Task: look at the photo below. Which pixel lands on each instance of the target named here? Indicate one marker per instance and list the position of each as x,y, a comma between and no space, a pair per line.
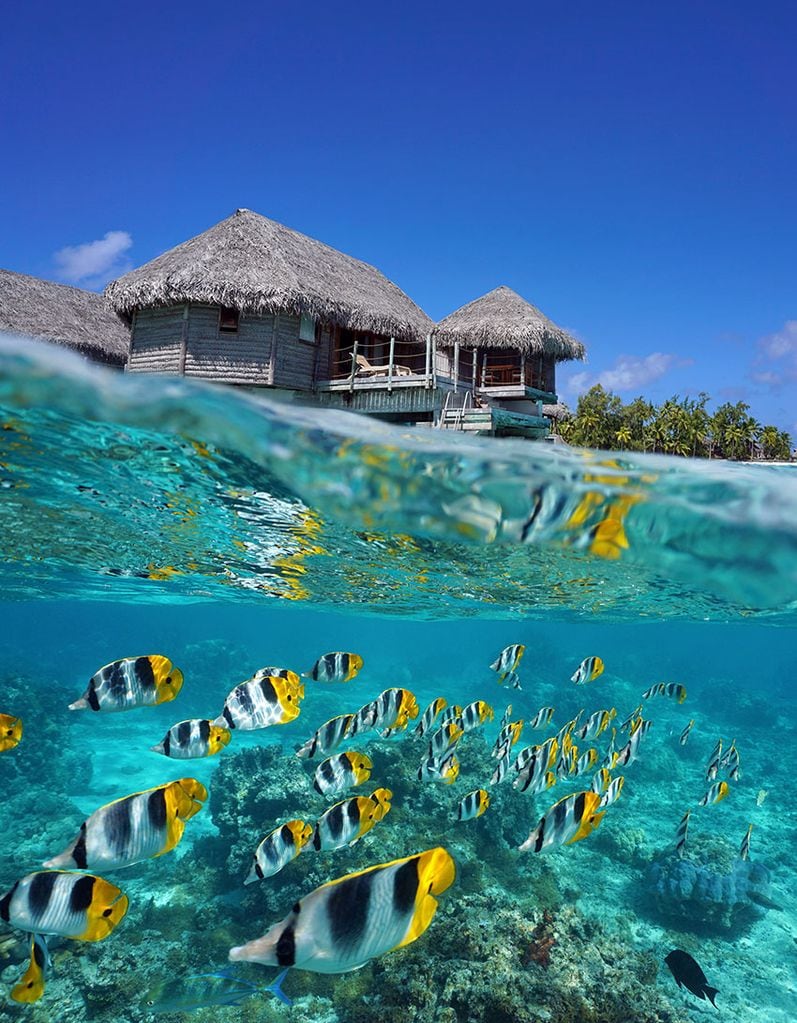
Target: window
307,328
228,320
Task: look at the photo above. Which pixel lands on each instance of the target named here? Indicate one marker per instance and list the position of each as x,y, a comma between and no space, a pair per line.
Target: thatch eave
502,319
60,314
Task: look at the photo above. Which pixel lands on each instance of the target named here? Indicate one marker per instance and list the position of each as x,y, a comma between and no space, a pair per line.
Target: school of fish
354,918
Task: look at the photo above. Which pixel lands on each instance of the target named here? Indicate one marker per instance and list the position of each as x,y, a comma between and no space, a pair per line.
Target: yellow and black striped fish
326,738
10,731
444,739
568,821
744,849
135,827
262,701
346,822
473,805
506,663
718,791
390,712
347,922
589,669
681,835
278,848
435,769
597,723
666,689
340,772
335,667
475,715
60,902
429,715
191,739
543,717
131,682
451,715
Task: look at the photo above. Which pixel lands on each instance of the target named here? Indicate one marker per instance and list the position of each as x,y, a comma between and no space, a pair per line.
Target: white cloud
775,363
781,344
94,263
629,373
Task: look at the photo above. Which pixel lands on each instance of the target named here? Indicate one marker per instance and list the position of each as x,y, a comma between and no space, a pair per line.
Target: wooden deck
496,421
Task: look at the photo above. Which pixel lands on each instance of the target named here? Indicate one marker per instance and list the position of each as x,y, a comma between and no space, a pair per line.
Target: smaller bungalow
498,356
77,319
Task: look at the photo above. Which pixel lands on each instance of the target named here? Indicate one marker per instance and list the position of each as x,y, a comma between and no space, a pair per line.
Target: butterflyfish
501,769
444,739
507,661
666,689
680,835
744,849
684,738
587,760
632,717
445,770
451,715
597,723
429,715
196,737
507,717
589,669
347,922
134,828
335,667
507,737
346,822
70,905
630,751
475,715
601,780
612,793
341,772
131,682
10,731
714,760
568,821
326,738
278,848
473,805
262,701
534,776
391,711
718,791
542,718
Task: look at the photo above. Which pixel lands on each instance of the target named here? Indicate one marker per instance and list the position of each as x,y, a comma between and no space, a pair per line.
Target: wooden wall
240,358
163,341
155,341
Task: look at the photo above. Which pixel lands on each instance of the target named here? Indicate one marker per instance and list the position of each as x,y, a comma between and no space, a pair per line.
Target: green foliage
680,426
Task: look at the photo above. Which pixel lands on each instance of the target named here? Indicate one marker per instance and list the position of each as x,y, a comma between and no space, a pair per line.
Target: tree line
680,426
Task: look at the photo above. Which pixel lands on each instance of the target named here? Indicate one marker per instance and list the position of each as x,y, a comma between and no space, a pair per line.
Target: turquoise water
141,516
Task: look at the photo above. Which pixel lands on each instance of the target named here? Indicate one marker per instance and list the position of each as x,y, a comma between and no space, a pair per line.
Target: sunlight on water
157,518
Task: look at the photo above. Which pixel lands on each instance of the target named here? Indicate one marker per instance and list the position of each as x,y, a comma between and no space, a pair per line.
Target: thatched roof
79,319
502,319
557,411
254,264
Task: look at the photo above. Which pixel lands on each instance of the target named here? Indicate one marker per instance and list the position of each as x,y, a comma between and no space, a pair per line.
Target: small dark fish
688,974
763,900
208,989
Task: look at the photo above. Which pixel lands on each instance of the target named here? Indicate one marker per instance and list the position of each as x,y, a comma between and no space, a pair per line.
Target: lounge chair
365,369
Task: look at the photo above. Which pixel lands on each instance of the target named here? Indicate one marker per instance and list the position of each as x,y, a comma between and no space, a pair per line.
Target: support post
523,370
428,356
456,366
353,365
390,365
434,362
484,368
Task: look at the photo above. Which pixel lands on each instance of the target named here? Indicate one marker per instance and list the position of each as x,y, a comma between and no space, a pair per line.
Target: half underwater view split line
308,717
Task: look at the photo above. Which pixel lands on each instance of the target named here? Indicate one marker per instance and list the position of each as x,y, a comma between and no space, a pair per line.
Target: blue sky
629,168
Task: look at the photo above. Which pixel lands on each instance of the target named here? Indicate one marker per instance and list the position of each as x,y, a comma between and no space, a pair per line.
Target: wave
143,488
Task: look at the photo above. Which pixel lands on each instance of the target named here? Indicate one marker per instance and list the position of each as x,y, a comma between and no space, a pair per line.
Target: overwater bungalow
498,357
253,303
77,319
